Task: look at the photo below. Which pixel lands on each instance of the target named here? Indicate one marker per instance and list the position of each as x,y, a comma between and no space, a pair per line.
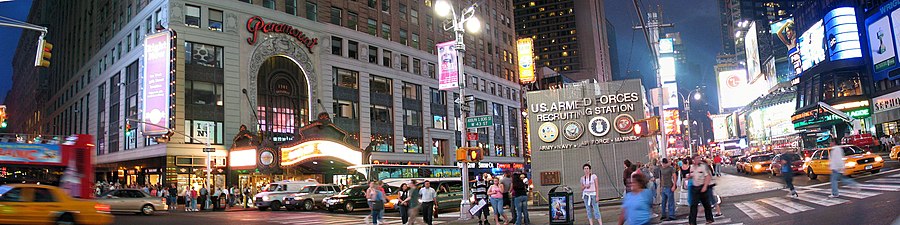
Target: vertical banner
449,71
525,47
155,85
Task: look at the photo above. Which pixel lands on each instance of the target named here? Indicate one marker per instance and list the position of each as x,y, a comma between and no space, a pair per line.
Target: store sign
842,34
821,115
242,158
886,102
29,153
525,47
882,27
318,149
481,165
155,87
449,68
257,24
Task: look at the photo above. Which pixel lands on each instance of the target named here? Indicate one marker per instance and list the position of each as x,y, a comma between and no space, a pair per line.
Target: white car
272,196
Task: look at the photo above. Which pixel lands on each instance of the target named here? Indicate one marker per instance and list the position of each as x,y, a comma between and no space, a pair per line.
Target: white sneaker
833,196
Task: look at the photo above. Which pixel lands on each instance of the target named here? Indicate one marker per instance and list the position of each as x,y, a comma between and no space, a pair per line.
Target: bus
396,174
52,160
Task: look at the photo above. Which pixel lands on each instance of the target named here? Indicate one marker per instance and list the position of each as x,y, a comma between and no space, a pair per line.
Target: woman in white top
589,185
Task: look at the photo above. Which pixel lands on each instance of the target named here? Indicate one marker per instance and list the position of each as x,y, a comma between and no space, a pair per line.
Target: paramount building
320,85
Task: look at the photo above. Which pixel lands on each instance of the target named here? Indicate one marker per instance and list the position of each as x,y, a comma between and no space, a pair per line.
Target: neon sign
256,23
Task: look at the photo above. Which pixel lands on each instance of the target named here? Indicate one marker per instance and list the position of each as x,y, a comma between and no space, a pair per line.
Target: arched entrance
282,99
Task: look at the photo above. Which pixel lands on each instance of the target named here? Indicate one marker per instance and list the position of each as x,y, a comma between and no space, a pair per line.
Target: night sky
9,39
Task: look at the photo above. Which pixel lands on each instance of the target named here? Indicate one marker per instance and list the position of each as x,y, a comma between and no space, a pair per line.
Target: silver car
132,201
310,196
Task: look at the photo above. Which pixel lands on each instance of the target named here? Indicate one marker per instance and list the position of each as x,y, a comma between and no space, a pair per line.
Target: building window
386,31
411,91
386,6
429,45
128,43
192,16
352,20
415,41
137,36
345,109
337,45
290,7
336,15
203,54
373,54
428,21
373,27
215,20
383,142
404,63
346,78
403,37
438,97
269,4
412,118
432,71
414,16
204,131
311,11
417,67
440,122
204,93
381,85
386,58
412,145
372,3
352,49
381,114
402,11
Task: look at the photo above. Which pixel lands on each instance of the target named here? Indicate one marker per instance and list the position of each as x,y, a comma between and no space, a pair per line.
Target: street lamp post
458,24
687,108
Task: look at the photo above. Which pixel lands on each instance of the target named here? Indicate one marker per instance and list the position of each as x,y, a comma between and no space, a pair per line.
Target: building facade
276,67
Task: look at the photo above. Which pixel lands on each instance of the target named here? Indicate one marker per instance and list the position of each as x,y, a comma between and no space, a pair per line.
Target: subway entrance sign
480,121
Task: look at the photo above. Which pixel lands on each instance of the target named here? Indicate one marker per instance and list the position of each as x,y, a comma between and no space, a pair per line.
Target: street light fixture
687,108
459,24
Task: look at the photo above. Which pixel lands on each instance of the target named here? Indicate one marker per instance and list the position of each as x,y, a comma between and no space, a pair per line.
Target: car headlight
394,201
266,198
757,166
850,164
878,159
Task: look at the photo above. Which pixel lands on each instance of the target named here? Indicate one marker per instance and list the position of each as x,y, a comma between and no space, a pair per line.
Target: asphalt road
802,179
264,217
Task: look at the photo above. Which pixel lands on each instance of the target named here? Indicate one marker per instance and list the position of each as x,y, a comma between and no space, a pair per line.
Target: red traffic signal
641,129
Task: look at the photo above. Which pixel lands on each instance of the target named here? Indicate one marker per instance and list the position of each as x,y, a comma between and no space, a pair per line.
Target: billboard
671,98
673,122
667,68
30,153
811,46
449,69
525,47
751,45
730,83
155,86
720,127
666,45
882,28
842,34
785,32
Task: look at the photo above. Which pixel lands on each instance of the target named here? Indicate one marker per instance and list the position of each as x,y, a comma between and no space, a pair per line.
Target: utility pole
651,31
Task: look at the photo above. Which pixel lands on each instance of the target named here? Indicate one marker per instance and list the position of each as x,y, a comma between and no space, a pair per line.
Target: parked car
449,193
132,200
352,198
272,196
757,164
42,204
310,197
855,161
895,151
796,163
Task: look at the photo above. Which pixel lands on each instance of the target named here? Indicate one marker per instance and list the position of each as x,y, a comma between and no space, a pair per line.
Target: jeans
497,204
668,203
839,176
521,204
376,214
703,198
591,206
789,180
194,203
428,212
404,213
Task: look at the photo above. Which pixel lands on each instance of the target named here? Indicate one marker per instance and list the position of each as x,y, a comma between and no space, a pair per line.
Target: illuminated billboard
751,45
155,86
525,47
720,127
785,32
842,34
671,95
733,89
811,46
673,122
667,68
883,42
666,45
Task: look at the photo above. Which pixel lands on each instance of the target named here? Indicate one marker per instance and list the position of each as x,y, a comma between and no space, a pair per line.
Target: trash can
562,210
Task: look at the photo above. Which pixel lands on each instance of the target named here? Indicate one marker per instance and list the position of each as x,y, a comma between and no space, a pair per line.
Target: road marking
852,194
895,175
821,200
885,180
755,211
700,219
863,176
786,205
880,187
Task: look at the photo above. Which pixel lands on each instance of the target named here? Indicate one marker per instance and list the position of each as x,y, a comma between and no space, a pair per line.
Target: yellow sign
525,47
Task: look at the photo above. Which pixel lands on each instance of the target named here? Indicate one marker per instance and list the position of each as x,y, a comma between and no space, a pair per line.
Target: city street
265,217
801,179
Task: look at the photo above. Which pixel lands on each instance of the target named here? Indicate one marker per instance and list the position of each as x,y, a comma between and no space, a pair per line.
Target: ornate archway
281,45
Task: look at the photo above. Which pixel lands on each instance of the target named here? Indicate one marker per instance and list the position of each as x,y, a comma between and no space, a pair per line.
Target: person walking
413,202
479,193
216,198
684,171
520,200
589,187
711,191
247,197
172,197
701,177
507,199
636,205
717,165
836,164
495,193
787,174
186,195
226,196
376,202
668,180
428,196
204,195
626,174
403,204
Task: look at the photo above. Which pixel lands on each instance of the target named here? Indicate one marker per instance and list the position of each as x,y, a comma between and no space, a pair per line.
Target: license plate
869,167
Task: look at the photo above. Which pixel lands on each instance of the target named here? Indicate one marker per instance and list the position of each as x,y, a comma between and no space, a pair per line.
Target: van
449,193
274,193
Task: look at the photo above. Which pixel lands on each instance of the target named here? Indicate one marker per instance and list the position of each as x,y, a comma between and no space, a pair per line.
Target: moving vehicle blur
43,204
133,200
855,161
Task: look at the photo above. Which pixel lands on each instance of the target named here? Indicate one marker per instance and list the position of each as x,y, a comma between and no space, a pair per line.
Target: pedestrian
428,196
403,204
479,193
636,205
246,196
589,186
717,165
836,163
711,191
376,202
626,174
173,197
507,199
684,171
787,174
204,196
520,200
701,177
153,191
668,180
215,198
235,195
185,194
226,196
495,192
413,200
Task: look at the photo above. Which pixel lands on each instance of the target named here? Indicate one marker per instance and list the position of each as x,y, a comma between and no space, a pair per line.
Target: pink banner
157,66
449,71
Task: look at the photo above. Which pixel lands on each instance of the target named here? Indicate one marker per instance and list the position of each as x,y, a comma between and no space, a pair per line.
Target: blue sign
881,32
29,153
841,34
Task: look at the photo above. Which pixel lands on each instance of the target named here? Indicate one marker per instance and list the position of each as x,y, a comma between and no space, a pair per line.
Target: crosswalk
313,218
811,198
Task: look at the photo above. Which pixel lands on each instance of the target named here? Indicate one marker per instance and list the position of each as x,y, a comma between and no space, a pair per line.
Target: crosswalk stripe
880,187
895,175
852,194
755,211
786,205
821,200
885,180
700,219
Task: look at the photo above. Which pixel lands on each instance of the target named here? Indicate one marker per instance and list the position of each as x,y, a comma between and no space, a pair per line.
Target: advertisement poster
525,47
785,32
720,127
751,46
30,153
667,68
558,209
842,34
155,86
730,82
673,122
811,46
881,28
671,90
449,69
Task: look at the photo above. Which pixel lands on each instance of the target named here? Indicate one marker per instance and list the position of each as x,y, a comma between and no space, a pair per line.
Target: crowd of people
192,198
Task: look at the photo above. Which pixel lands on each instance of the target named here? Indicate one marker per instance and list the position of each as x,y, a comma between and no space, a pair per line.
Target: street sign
465,108
470,98
457,101
472,136
479,121
209,149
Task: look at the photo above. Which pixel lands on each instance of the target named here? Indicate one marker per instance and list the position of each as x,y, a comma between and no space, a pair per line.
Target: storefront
886,117
820,119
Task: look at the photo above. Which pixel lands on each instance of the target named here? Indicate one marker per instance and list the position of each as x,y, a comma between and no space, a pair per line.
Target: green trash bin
562,210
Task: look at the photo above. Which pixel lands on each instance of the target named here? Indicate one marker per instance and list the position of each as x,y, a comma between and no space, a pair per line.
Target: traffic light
42,58
462,155
646,127
476,154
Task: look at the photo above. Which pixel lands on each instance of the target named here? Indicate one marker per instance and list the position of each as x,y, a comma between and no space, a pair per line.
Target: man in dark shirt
626,175
667,180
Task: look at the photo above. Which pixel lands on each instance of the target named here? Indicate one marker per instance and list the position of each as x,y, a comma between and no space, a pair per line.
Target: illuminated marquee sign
525,47
257,24
313,149
242,158
820,115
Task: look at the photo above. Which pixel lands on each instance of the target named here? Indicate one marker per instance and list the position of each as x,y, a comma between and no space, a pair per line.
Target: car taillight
164,201
101,207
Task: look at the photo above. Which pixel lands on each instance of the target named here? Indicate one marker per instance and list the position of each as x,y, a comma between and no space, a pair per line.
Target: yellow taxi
895,152
856,161
42,204
757,164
